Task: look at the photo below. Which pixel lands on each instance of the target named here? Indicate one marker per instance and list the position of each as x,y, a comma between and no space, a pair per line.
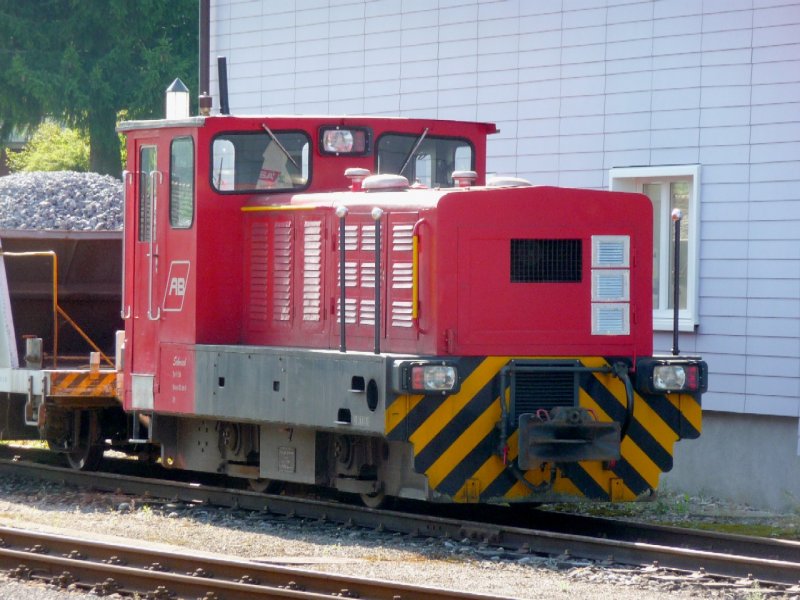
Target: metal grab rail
415,241
57,310
155,179
125,312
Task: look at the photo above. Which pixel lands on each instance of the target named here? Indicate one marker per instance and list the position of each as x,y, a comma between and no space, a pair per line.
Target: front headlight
433,378
420,377
660,376
673,377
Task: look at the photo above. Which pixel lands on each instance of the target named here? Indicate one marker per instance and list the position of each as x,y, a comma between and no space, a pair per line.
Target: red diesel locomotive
296,311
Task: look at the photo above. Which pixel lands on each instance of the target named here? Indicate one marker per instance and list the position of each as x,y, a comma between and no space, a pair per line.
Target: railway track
105,568
761,560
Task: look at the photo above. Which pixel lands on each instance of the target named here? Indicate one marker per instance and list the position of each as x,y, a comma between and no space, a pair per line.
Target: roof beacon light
464,178
177,100
356,175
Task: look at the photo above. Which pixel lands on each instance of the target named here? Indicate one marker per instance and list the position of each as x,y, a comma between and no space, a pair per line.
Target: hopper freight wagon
348,302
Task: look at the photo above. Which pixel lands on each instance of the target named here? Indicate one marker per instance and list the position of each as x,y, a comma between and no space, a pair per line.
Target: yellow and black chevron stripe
456,438
83,384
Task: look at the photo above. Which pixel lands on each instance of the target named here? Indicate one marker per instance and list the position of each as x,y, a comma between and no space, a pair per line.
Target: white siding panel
725,326
776,53
778,171
724,401
771,366
732,136
774,269
776,36
787,112
583,18
786,288
728,20
721,344
627,13
778,15
723,288
725,95
584,35
759,402
663,10
629,65
722,267
773,327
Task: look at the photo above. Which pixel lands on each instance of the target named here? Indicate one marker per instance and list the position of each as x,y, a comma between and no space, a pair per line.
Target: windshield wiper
284,150
413,150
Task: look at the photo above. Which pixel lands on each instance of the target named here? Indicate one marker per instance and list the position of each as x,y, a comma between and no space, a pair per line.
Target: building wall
749,459
578,87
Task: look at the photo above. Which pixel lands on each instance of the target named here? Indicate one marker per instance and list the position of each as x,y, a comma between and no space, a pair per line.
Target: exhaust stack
222,70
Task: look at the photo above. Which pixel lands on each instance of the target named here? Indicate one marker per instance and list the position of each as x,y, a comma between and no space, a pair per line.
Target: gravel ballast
60,200
452,564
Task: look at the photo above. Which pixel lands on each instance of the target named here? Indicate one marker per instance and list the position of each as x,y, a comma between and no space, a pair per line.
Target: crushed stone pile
60,200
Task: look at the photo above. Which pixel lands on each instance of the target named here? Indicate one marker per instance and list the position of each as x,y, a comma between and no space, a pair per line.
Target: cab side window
181,183
147,169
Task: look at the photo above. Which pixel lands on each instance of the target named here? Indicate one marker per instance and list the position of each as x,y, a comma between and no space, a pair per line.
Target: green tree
82,61
52,148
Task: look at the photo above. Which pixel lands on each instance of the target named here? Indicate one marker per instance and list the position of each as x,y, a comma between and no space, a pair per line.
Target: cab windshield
260,162
424,159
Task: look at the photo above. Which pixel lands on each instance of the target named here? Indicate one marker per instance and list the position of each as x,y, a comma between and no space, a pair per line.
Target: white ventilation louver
611,251
612,285
611,319
611,282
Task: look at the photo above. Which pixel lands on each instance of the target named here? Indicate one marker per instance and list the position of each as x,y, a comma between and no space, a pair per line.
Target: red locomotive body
296,310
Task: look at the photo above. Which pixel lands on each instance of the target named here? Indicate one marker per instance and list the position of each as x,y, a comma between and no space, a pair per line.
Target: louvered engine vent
542,389
546,261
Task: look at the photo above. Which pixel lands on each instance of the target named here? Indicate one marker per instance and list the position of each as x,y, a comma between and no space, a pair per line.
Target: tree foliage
52,148
82,61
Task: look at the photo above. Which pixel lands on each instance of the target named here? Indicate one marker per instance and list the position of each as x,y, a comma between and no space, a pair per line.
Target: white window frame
632,179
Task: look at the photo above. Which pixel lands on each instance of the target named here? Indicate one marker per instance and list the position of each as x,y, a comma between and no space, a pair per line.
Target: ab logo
177,281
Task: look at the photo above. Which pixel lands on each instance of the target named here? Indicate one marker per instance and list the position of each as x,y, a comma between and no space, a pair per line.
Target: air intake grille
546,261
535,390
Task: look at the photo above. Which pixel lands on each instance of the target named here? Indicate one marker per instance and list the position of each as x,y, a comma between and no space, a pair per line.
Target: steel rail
751,562
145,569
665,535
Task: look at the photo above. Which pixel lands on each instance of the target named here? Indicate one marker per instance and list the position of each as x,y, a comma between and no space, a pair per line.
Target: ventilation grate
546,261
533,391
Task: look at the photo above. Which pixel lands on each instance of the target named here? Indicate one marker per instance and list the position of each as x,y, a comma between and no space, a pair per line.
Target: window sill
665,324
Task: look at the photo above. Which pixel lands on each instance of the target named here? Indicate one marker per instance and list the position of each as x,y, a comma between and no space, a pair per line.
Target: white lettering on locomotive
177,285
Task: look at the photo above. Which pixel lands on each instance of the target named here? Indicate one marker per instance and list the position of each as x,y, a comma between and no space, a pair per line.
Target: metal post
341,212
204,44
676,275
377,213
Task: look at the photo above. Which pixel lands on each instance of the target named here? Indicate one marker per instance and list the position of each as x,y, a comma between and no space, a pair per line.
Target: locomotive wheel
376,500
265,486
85,457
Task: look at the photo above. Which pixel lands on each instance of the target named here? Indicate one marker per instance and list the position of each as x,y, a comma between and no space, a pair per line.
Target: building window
669,188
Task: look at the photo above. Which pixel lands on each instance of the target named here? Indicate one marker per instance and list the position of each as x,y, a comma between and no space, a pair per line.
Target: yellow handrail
56,308
415,271
55,291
